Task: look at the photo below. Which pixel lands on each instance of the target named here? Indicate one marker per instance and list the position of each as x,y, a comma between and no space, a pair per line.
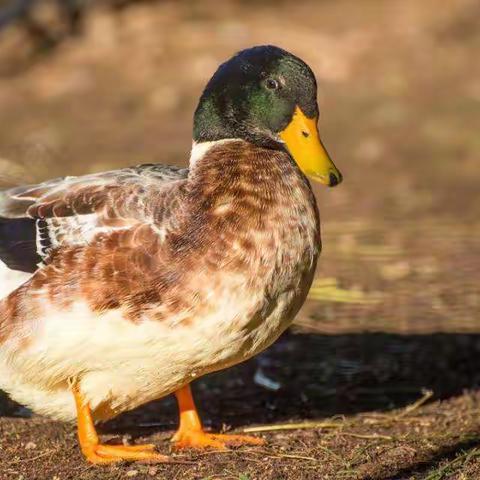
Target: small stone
152,471
132,473
30,446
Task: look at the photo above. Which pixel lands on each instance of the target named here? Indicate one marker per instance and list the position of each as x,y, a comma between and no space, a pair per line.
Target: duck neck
237,169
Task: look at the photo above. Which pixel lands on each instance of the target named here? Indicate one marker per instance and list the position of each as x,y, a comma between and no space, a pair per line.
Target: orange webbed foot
104,454
191,435
200,440
98,453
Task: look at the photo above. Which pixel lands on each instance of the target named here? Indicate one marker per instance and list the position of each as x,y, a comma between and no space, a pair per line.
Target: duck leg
190,433
97,453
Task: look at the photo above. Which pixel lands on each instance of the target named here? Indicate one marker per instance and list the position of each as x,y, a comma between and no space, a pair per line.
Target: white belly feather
122,364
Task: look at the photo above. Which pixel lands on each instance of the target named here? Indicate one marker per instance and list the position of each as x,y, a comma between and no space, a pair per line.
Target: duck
123,287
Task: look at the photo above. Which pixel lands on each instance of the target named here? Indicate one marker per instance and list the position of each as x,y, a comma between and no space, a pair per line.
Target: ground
380,368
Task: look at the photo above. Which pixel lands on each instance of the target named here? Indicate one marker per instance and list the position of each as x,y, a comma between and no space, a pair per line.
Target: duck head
267,96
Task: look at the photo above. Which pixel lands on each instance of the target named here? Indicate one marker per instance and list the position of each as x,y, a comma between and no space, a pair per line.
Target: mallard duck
130,284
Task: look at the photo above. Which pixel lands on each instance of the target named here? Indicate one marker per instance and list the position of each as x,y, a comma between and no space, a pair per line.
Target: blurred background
87,86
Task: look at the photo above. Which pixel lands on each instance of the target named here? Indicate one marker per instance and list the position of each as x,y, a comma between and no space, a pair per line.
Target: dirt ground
380,368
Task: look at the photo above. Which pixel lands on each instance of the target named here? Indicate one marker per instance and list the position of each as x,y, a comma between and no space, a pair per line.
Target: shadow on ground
328,375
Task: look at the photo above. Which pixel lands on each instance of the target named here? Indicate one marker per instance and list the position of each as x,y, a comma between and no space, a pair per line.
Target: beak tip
334,180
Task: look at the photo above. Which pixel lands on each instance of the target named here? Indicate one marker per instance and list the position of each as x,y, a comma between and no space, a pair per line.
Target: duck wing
35,220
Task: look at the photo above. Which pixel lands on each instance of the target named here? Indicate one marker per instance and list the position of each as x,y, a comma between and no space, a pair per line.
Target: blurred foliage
328,290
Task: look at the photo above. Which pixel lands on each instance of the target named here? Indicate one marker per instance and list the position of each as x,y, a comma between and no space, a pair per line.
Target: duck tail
18,246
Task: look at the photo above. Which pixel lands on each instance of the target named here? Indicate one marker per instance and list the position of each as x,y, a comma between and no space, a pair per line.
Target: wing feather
73,210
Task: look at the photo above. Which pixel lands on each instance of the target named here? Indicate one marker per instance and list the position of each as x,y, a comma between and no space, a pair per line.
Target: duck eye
272,84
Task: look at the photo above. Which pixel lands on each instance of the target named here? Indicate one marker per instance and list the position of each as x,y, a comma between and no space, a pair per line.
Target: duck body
138,281
168,278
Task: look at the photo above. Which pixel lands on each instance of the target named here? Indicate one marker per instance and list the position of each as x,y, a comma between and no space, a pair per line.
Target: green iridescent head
266,96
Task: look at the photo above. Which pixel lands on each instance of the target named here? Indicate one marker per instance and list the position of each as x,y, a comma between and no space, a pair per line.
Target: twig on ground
427,394
396,416
373,436
296,457
32,459
292,426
